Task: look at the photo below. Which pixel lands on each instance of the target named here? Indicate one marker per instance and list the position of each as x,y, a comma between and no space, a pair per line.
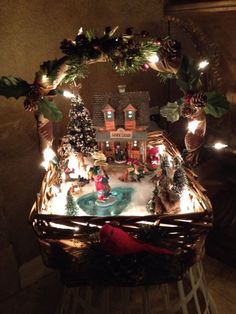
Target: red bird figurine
117,242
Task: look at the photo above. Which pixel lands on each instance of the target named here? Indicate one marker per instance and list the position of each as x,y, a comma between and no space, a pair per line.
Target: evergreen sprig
128,53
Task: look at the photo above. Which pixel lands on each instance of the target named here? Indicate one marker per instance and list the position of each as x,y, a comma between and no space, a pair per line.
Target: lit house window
109,115
130,115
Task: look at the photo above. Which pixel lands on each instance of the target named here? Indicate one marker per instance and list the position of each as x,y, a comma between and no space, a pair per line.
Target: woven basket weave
72,245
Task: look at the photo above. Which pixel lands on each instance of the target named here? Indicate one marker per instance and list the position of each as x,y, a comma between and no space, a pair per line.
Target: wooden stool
186,296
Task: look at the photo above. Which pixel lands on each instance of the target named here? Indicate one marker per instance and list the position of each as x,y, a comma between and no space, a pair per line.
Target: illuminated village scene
111,166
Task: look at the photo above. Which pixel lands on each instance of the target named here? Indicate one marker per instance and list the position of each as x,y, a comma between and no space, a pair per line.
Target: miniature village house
121,120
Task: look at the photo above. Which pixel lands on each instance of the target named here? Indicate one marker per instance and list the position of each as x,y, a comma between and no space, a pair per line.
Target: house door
120,155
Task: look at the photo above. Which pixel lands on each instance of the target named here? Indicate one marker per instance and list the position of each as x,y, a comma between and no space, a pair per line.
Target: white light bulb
193,125
48,155
44,78
153,58
219,146
203,64
68,94
161,149
80,31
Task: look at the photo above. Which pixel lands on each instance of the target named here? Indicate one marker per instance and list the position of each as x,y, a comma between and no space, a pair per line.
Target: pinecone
68,47
198,100
32,98
171,48
81,40
30,105
188,111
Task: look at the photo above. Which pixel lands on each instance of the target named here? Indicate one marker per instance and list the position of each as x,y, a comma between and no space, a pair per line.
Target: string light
203,64
219,146
80,31
153,58
193,125
48,155
68,94
44,78
161,149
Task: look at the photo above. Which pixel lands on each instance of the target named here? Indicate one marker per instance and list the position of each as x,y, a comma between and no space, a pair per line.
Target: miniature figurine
102,184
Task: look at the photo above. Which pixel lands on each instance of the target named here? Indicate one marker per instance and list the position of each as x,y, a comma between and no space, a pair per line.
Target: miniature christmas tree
180,180
71,209
80,131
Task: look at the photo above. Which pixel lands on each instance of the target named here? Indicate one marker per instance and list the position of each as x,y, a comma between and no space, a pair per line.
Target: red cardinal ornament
117,242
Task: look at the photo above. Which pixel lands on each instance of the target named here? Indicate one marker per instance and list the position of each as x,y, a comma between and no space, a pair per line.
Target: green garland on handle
128,53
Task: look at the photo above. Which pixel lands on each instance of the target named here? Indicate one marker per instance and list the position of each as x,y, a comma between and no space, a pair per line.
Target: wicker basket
72,244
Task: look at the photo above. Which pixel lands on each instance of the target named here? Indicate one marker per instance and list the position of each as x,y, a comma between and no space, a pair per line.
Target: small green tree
71,209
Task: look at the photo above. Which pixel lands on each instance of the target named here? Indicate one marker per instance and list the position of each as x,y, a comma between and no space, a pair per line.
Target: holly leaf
217,104
11,86
49,109
188,75
171,111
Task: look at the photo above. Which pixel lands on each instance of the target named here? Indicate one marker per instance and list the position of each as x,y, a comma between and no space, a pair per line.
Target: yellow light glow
185,202
193,125
48,155
68,94
78,170
203,64
44,78
80,31
219,146
153,58
61,226
161,149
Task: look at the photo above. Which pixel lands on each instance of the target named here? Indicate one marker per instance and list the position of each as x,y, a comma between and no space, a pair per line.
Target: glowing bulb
153,58
203,64
161,149
80,31
68,94
185,202
44,78
48,155
193,125
219,146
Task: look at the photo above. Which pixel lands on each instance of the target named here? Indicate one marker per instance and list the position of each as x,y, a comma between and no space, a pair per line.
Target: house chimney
121,88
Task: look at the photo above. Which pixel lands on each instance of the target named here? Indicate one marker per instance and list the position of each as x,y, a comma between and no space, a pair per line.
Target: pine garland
128,52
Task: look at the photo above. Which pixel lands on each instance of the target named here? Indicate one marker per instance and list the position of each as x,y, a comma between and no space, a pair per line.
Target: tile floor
42,297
